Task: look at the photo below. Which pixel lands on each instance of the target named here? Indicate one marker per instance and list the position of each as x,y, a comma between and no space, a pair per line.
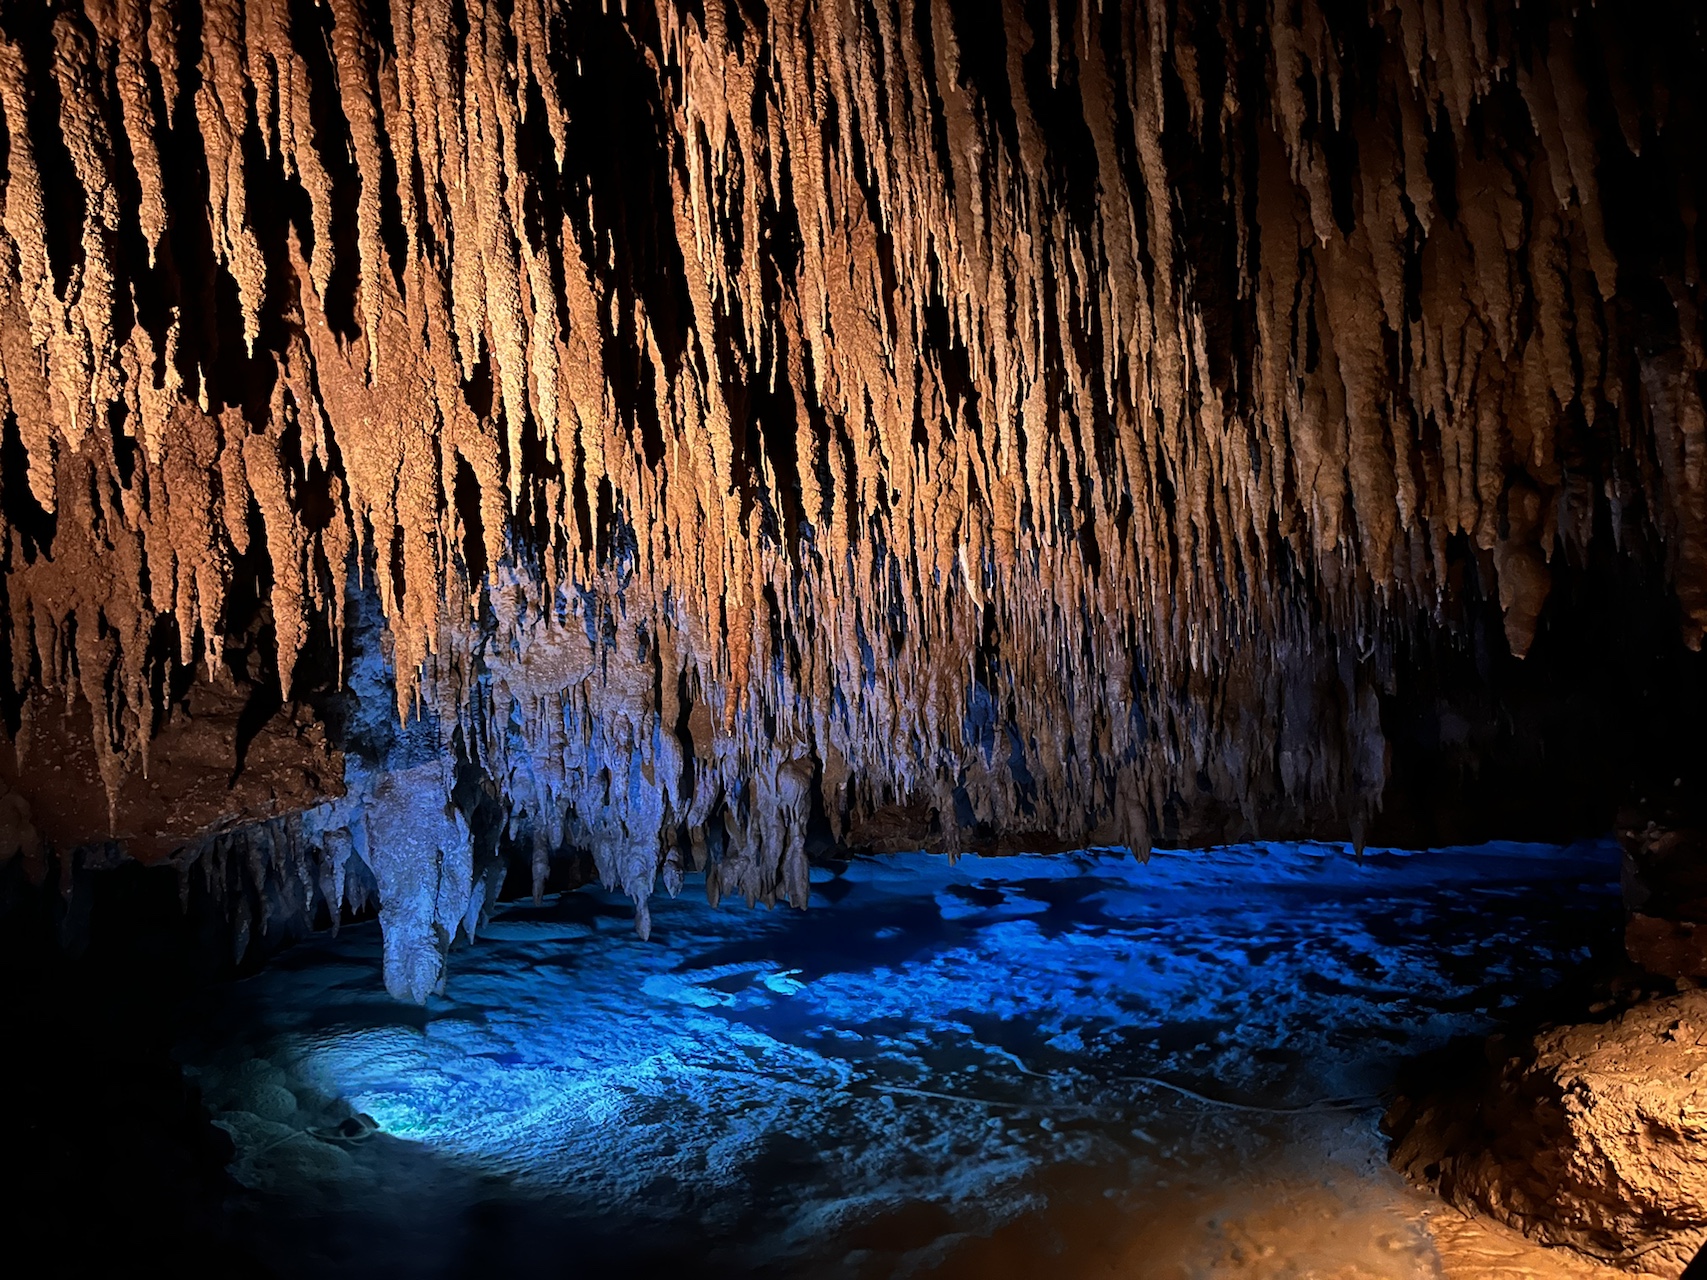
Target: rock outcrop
1591,1136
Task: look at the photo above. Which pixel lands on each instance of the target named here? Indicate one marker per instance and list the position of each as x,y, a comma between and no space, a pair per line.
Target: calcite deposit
1015,415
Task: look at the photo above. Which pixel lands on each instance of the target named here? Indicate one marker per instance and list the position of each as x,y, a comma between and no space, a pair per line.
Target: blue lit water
1064,1065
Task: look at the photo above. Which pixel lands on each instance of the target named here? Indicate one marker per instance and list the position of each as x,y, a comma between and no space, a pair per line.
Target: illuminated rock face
970,418
1587,1136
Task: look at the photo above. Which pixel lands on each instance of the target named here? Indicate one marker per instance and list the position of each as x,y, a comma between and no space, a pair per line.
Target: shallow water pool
1066,1065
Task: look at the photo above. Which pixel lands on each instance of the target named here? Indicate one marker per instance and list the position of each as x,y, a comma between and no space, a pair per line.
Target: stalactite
885,407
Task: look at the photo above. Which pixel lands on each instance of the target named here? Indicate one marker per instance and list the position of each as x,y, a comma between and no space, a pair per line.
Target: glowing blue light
929,1032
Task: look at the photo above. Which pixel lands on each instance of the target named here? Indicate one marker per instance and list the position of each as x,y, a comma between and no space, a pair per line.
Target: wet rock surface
1030,1063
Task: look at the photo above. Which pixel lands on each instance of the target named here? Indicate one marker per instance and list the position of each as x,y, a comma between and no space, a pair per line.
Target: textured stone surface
195,787
1591,1136
1475,1249
1037,421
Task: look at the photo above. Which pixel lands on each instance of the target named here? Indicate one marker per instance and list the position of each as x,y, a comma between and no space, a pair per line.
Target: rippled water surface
1072,1065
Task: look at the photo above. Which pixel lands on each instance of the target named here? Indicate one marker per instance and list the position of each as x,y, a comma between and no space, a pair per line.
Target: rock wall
1012,419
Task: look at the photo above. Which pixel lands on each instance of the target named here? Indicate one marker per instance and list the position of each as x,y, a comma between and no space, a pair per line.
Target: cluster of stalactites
1017,414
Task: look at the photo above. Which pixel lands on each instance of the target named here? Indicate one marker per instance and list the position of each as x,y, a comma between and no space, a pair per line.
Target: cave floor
1077,1065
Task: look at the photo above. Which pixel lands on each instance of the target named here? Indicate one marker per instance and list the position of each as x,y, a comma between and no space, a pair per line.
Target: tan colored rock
1592,1137
950,440
193,790
1476,1249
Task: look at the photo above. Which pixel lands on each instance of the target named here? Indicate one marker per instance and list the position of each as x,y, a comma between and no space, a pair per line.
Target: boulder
1592,1137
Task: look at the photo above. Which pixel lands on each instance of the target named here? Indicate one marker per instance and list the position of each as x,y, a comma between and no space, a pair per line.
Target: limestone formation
1017,413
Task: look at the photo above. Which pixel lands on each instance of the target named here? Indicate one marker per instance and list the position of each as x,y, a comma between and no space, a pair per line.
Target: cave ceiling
1019,413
